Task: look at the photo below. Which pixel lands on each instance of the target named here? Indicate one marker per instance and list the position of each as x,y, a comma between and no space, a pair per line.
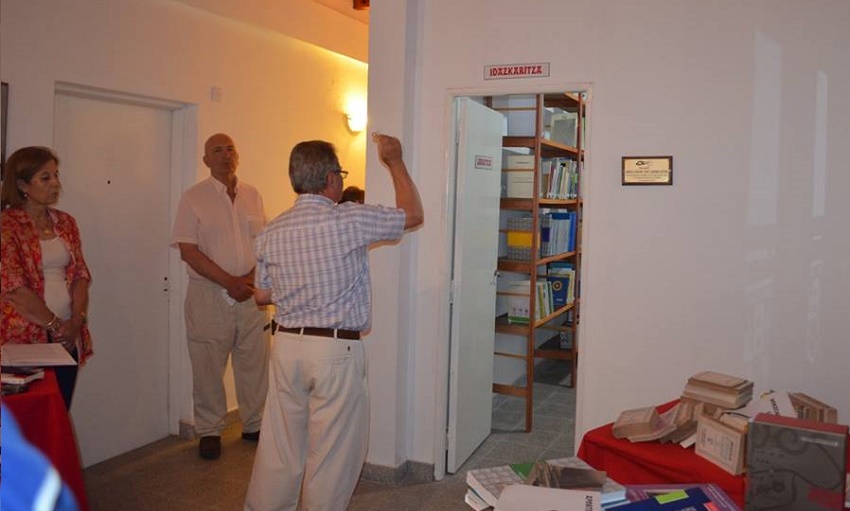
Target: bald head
221,156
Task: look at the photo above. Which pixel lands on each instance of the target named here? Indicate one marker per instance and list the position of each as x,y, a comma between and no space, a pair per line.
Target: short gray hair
309,165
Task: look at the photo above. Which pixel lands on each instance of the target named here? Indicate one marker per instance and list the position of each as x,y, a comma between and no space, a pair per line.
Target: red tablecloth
45,423
654,463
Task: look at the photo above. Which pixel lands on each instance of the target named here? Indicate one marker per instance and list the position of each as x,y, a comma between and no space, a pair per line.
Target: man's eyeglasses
342,173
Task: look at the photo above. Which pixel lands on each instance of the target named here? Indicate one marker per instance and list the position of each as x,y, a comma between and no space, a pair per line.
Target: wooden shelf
516,204
558,203
505,264
510,355
551,349
550,317
503,327
511,390
524,336
566,101
548,148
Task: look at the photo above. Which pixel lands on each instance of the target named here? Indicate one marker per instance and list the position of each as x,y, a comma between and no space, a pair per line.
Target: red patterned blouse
22,267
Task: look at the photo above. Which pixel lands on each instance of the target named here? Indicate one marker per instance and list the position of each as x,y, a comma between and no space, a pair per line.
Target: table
655,463
45,423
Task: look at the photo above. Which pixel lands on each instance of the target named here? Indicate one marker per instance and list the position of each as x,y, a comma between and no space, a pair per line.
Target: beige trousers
315,427
215,330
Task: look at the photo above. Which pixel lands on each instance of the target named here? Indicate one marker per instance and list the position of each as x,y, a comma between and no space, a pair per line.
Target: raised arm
406,194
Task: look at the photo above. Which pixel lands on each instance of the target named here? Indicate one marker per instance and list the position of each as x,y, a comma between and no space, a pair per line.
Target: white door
115,161
476,237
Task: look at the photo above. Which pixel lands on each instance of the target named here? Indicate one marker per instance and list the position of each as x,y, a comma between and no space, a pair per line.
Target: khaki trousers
315,427
215,330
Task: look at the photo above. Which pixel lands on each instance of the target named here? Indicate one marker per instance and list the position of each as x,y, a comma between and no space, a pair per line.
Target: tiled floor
168,474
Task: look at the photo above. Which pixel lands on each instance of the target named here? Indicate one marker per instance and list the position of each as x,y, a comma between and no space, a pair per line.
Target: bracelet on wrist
51,325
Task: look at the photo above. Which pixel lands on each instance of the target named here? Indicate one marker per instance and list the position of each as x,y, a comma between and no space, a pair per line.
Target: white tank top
54,259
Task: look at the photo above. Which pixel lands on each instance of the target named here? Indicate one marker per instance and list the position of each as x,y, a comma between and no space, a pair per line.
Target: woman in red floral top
44,279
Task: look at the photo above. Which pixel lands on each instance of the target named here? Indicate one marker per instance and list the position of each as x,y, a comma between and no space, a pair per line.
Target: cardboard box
518,301
520,184
519,162
520,110
563,128
795,464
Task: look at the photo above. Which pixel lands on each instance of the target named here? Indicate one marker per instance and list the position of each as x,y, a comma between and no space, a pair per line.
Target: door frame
180,174
443,364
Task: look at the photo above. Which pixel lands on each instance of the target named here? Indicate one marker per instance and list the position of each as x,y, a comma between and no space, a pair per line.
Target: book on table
795,464
548,475
521,497
686,499
637,421
719,498
721,443
810,408
21,375
489,482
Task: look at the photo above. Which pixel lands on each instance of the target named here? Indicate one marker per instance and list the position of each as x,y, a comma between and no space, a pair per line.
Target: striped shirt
314,258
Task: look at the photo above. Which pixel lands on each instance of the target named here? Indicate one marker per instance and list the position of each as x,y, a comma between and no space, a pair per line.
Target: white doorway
558,418
116,171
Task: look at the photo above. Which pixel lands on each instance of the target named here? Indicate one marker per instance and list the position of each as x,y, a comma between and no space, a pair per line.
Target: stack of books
486,484
719,389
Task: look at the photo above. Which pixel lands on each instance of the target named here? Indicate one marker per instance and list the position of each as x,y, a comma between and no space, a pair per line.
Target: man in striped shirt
313,265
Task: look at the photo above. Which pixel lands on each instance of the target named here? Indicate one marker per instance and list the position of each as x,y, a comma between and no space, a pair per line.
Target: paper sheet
35,355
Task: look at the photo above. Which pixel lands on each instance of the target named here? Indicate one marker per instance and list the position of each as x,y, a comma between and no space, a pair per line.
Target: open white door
476,238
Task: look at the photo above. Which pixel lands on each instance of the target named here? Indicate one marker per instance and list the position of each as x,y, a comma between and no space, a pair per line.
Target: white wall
276,90
740,266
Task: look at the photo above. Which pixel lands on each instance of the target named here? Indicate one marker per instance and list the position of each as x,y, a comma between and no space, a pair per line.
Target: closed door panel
115,173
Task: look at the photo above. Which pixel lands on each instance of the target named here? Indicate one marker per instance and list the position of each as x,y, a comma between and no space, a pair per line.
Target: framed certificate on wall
647,170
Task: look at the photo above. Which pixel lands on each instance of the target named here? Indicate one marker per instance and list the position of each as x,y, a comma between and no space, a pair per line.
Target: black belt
335,333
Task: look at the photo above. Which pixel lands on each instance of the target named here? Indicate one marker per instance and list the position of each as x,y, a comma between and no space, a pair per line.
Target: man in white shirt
217,221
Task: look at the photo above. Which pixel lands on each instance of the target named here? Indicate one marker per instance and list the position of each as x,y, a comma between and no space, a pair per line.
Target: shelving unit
542,336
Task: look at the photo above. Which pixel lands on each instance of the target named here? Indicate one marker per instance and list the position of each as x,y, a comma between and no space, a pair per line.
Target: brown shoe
209,447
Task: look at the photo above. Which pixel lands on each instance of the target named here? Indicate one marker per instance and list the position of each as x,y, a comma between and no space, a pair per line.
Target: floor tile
168,475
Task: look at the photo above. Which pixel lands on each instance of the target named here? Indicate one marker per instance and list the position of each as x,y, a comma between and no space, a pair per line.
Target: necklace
43,222
46,229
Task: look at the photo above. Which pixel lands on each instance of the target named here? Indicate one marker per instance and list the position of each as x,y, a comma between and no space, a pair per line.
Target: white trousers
215,330
315,426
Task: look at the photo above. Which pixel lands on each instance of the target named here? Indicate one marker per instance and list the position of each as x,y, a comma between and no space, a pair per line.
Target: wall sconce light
356,121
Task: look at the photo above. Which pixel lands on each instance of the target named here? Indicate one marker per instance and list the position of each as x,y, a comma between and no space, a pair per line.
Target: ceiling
345,7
